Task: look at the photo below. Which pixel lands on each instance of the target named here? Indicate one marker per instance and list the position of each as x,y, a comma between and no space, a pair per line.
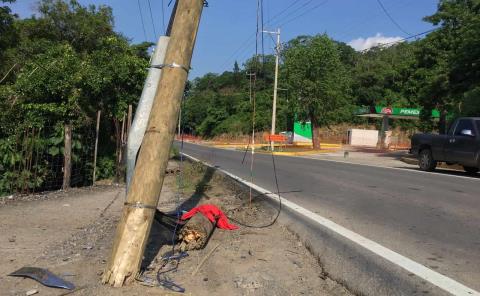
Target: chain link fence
32,160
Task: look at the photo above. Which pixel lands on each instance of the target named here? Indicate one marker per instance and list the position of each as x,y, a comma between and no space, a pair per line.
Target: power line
163,17
263,40
303,14
256,35
151,18
247,43
282,12
141,18
300,8
368,19
391,18
400,40
305,4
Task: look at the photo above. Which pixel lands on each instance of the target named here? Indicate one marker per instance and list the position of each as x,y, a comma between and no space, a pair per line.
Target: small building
361,137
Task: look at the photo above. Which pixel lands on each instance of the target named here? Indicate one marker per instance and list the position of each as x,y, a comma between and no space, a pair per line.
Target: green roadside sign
303,129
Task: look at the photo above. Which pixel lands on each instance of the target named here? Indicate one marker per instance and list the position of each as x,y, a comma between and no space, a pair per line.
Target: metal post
144,107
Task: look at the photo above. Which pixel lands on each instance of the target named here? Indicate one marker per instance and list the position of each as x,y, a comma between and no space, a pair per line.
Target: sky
227,29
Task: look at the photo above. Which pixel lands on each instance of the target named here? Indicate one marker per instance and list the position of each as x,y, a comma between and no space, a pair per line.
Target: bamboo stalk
97,130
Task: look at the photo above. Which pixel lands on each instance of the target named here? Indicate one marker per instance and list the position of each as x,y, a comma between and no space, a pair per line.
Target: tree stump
195,233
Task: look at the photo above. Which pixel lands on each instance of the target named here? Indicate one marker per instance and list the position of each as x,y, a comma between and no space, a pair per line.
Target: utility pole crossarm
272,32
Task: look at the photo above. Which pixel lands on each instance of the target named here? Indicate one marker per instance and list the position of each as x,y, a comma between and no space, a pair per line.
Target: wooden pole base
127,259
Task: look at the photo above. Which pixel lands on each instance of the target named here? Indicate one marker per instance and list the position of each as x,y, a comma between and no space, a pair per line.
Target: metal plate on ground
44,277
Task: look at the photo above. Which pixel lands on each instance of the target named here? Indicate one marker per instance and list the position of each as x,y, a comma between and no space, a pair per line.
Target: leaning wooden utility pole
144,191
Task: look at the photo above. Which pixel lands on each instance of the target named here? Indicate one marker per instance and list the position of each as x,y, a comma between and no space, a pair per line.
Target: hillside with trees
328,80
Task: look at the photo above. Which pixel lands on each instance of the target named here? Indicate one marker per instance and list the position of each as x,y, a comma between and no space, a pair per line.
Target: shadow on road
445,172
397,155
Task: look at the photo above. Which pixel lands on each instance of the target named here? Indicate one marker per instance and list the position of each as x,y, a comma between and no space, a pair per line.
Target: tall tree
83,27
381,76
319,81
448,58
236,68
8,34
459,22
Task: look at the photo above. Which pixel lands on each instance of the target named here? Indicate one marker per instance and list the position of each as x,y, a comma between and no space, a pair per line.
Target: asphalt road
431,218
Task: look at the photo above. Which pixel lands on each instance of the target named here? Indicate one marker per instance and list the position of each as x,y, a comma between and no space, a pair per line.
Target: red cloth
212,213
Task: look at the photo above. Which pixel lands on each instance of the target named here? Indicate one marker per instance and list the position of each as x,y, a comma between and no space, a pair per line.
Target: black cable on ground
279,203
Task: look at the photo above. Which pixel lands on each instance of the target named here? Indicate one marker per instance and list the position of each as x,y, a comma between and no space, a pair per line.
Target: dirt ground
71,233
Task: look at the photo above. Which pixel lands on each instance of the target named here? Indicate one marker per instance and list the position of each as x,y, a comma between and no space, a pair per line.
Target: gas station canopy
396,113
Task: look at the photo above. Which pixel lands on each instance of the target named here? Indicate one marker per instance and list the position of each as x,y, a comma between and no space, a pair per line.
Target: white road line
450,285
391,168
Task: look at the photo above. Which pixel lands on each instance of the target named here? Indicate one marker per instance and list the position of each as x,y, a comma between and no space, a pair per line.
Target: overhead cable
391,18
151,18
141,18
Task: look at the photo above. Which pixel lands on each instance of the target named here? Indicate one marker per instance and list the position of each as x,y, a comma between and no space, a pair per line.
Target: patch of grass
189,177
174,153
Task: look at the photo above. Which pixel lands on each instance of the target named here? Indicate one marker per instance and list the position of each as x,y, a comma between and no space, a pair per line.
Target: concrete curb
358,269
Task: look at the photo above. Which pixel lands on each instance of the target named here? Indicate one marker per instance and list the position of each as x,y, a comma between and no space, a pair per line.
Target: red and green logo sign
404,112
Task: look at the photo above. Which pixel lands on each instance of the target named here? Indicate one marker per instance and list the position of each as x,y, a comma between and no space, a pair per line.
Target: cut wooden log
195,233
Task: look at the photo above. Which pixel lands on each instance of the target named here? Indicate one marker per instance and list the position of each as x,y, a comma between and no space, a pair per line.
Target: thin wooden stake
97,130
129,121
67,156
205,259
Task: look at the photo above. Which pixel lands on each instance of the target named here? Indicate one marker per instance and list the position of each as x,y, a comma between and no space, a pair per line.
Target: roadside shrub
105,167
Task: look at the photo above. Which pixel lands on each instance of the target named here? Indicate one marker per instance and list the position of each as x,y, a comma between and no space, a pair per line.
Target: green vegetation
327,80
58,68
318,79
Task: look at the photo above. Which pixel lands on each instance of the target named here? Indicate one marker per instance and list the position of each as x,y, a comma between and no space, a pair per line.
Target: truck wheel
426,161
471,170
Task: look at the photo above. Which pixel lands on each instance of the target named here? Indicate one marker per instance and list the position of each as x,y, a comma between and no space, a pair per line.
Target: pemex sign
377,111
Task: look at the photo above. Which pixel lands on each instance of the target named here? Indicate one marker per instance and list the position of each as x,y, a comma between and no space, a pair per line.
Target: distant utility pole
250,75
275,87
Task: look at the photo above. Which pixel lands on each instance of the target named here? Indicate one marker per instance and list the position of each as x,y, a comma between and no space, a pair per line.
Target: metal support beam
139,124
